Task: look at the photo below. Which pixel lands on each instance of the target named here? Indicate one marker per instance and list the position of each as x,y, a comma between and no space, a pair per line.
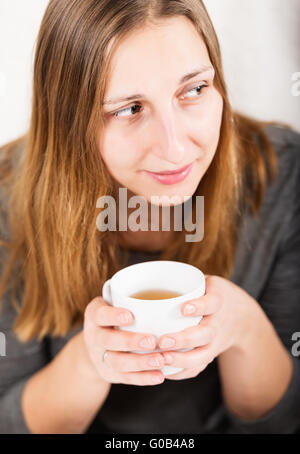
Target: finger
141,378
196,358
107,315
132,362
205,305
103,314
118,340
194,336
185,373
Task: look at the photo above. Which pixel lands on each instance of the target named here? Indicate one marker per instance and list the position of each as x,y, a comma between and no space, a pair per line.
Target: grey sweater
267,266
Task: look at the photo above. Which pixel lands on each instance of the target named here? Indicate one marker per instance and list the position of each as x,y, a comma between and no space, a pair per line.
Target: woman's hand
120,366
228,313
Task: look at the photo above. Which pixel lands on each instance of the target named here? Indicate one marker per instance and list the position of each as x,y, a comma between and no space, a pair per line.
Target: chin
165,195
175,194
170,198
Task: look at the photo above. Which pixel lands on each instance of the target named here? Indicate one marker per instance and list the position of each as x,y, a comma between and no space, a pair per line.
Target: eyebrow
183,79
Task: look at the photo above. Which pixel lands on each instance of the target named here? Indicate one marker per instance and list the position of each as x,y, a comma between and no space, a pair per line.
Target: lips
172,172
171,177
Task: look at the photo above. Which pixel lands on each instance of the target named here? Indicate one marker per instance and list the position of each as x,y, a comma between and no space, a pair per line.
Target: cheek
207,131
119,154
209,126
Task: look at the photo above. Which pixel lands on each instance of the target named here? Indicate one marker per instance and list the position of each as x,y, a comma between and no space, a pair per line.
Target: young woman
123,91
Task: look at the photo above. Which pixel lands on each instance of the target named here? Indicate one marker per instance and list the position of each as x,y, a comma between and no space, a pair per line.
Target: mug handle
106,292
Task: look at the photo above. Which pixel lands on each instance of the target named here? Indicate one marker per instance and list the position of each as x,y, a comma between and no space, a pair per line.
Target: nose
168,146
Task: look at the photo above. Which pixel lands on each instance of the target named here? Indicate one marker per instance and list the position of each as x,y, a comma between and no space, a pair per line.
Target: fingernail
154,362
189,309
124,317
167,342
146,342
168,358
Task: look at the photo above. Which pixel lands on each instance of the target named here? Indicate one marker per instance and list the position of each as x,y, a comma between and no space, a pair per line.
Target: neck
147,239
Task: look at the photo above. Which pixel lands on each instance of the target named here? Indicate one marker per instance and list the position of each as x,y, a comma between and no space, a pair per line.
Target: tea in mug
155,294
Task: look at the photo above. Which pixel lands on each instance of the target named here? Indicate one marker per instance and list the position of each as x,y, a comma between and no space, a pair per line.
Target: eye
120,113
135,108
198,89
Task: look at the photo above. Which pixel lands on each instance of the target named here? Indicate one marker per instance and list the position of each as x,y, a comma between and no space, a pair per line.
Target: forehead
169,49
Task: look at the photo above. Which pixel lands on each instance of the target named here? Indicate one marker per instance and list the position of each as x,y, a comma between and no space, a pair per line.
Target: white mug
156,317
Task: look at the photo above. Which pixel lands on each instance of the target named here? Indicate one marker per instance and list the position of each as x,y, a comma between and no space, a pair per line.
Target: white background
260,43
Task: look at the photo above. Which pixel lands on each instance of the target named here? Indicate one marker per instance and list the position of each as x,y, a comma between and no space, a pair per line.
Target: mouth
171,176
171,172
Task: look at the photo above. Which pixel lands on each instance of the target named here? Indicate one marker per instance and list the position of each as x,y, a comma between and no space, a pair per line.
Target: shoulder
282,136
281,202
284,140
286,144
265,237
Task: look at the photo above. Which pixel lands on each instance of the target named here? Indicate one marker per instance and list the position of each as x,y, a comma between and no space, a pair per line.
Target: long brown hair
54,175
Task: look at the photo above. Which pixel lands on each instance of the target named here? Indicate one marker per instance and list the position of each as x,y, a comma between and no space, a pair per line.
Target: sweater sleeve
280,300
19,361
284,418
11,415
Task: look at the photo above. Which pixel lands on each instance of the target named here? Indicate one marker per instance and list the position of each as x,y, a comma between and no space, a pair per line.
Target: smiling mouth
170,177
171,172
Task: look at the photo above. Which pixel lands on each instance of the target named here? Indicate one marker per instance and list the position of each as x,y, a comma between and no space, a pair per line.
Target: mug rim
172,299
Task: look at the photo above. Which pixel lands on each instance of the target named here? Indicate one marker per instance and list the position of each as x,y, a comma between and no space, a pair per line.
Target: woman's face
173,117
